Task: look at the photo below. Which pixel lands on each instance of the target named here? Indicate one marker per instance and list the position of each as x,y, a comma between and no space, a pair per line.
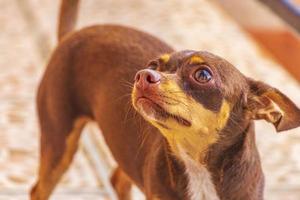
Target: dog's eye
153,65
203,75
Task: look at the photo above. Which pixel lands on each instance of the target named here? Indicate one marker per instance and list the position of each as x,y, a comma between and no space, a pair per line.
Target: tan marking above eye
196,60
165,58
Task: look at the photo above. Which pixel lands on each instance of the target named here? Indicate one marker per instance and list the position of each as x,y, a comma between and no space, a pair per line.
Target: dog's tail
67,17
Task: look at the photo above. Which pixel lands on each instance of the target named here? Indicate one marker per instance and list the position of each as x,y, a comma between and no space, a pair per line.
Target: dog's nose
146,78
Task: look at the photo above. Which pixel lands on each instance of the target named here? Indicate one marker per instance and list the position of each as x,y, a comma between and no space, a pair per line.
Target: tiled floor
28,35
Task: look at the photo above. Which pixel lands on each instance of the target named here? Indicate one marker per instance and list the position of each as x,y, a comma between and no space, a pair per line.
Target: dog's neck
235,167
192,145
225,170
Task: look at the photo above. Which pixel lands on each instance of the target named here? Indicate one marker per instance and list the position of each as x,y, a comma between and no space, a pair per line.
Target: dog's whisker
123,97
129,110
144,136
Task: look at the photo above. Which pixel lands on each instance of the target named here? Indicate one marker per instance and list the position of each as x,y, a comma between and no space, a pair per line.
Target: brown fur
122,184
67,17
89,77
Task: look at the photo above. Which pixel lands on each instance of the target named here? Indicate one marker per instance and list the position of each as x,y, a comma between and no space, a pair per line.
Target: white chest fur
200,185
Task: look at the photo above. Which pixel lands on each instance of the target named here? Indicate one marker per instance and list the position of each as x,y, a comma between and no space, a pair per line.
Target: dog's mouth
153,109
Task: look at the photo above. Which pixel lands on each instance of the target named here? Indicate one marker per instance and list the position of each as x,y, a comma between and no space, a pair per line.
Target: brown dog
197,140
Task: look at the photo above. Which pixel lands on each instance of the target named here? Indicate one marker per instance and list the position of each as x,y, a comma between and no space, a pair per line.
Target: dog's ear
268,103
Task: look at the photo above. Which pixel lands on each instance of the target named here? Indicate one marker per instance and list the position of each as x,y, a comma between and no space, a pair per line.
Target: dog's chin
153,111
150,109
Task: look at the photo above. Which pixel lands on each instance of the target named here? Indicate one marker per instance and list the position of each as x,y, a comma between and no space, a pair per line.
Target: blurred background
260,37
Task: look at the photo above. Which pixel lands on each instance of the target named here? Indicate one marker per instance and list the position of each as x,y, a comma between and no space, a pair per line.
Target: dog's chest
200,185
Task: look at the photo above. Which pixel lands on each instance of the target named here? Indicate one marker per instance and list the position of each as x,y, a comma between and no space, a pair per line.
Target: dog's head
190,96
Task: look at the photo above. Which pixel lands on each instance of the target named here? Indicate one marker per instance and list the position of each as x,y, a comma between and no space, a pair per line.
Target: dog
189,133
